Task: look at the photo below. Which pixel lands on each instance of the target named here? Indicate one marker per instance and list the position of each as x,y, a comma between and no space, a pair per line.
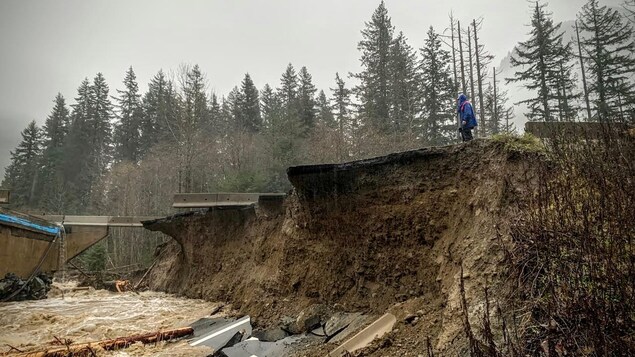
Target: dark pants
466,134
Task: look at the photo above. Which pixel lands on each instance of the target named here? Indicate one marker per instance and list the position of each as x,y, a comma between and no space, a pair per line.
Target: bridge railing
99,221
223,199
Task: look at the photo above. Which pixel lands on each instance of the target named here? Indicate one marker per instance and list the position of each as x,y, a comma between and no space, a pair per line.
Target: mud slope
382,234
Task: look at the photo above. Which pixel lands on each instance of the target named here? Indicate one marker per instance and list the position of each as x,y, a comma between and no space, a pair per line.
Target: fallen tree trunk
88,349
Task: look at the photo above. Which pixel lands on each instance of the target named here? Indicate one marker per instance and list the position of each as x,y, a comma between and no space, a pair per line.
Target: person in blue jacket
468,118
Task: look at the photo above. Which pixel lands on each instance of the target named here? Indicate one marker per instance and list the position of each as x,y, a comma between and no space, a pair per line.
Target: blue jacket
467,112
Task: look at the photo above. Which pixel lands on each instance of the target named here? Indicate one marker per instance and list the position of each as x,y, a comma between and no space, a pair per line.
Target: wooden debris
122,285
146,274
88,349
79,270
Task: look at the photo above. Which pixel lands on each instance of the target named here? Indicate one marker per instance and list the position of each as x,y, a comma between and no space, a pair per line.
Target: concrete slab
206,325
377,329
340,321
254,348
354,326
221,334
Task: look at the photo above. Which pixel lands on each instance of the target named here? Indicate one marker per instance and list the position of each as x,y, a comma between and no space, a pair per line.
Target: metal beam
5,196
99,221
222,199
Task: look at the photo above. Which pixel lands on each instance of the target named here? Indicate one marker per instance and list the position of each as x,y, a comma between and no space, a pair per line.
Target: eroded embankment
382,234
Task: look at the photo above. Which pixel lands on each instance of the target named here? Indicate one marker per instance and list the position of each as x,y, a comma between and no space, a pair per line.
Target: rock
339,321
271,335
409,319
287,323
308,319
18,289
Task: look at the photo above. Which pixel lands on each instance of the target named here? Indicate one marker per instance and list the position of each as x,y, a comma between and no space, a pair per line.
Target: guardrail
205,200
99,221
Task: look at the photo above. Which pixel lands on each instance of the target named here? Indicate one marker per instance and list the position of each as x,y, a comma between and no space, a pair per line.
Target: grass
514,142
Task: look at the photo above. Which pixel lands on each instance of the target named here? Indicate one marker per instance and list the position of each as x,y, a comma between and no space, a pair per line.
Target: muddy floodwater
85,316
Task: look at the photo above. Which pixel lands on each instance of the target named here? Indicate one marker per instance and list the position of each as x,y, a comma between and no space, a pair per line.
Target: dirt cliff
384,234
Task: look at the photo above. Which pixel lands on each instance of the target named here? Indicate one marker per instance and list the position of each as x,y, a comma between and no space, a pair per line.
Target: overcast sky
50,46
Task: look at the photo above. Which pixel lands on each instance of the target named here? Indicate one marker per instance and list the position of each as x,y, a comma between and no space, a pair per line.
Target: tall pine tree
373,90
78,150
100,117
609,45
538,62
249,106
160,108
288,91
437,116
341,109
21,176
127,132
324,112
55,132
405,89
271,106
306,100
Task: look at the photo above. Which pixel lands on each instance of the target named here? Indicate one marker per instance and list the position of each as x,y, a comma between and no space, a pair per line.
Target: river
92,315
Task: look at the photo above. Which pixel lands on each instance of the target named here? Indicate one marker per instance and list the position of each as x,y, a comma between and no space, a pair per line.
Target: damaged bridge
30,243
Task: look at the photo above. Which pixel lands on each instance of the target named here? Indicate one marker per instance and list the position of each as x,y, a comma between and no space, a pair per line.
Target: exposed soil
385,234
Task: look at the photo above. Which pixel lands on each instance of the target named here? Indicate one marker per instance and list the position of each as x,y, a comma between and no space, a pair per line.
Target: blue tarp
28,224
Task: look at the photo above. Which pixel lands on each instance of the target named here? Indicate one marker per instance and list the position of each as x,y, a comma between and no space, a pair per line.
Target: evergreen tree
160,112
567,94
271,106
55,132
306,99
234,109
226,120
249,106
78,149
22,174
194,118
100,117
195,111
373,91
215,112
88,149
288,91
544,66
324,112
497,115
341,108
57,124
284,129
341,102
404,86
128,131
437,116
609,48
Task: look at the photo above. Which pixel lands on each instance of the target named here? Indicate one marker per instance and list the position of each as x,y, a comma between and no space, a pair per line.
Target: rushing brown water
85,316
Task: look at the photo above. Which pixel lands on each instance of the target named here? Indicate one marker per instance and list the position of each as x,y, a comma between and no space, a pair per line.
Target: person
467,116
